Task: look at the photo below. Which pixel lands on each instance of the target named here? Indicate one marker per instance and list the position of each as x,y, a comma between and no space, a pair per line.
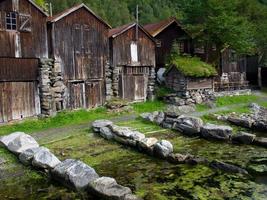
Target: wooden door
76,95
82,51
133,83
17,100
94,94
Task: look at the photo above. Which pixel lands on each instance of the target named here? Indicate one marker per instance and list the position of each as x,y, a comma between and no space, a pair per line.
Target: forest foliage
239,24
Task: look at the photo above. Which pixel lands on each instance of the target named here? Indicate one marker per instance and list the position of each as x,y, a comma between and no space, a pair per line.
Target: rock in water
163,148
5,140
106,133
227,167
26,156
100,123
188,125
108,188
45,159
211,131
243,138
21,143
75,173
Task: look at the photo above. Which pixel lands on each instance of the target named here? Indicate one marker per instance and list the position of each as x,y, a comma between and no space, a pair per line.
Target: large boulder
217,132
5,140
74,173
259,141
188,125
227,167
106,133
108,188
120,131
26,156
163,148
100,123
150,116
260,124
181,109
159,118
147,145
21,143
243,138
45,159
137,136
243,121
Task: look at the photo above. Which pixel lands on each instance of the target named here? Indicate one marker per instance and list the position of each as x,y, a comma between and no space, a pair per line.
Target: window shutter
25,23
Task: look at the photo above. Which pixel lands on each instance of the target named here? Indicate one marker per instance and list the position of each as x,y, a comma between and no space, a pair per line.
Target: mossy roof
192,67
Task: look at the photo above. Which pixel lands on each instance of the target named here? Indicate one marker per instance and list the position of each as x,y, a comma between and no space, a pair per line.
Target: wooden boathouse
165,33
23,41
78,41
132,60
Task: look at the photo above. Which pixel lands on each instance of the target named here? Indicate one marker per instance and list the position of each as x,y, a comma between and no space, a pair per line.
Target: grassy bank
66,118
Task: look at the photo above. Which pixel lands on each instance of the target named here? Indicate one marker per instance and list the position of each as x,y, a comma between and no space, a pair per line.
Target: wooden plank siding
22,43
80,43
18,100
18,69
78,40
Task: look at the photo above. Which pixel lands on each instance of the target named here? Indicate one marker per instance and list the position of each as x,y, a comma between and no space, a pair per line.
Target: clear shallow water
148,177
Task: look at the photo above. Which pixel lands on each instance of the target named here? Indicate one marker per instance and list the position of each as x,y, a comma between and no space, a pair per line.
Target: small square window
158,43
11,21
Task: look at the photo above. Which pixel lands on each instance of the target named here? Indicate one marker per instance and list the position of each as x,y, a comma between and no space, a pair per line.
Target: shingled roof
66,12
121,29
156,28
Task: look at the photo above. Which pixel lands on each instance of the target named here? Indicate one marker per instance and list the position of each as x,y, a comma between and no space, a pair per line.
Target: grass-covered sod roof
193,66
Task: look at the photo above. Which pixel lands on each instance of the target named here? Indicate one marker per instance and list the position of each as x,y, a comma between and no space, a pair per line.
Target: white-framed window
11,21
134,52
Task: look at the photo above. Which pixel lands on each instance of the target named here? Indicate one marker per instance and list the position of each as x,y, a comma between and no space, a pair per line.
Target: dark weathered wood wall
121,52
20,43
179,83
134,76
19,56
167,38
79,41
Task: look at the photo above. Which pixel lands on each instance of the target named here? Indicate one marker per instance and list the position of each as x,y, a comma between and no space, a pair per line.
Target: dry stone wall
51,87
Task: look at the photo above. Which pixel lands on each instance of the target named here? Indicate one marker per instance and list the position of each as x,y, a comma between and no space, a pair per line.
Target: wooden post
259,77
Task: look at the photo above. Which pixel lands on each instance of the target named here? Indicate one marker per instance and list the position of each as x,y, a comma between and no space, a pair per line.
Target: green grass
193,66
231,100
263,104
148,106
163,91
61,119
76,117
201,107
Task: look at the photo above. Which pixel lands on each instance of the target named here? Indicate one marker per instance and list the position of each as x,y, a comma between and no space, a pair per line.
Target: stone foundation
190,97
51,87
